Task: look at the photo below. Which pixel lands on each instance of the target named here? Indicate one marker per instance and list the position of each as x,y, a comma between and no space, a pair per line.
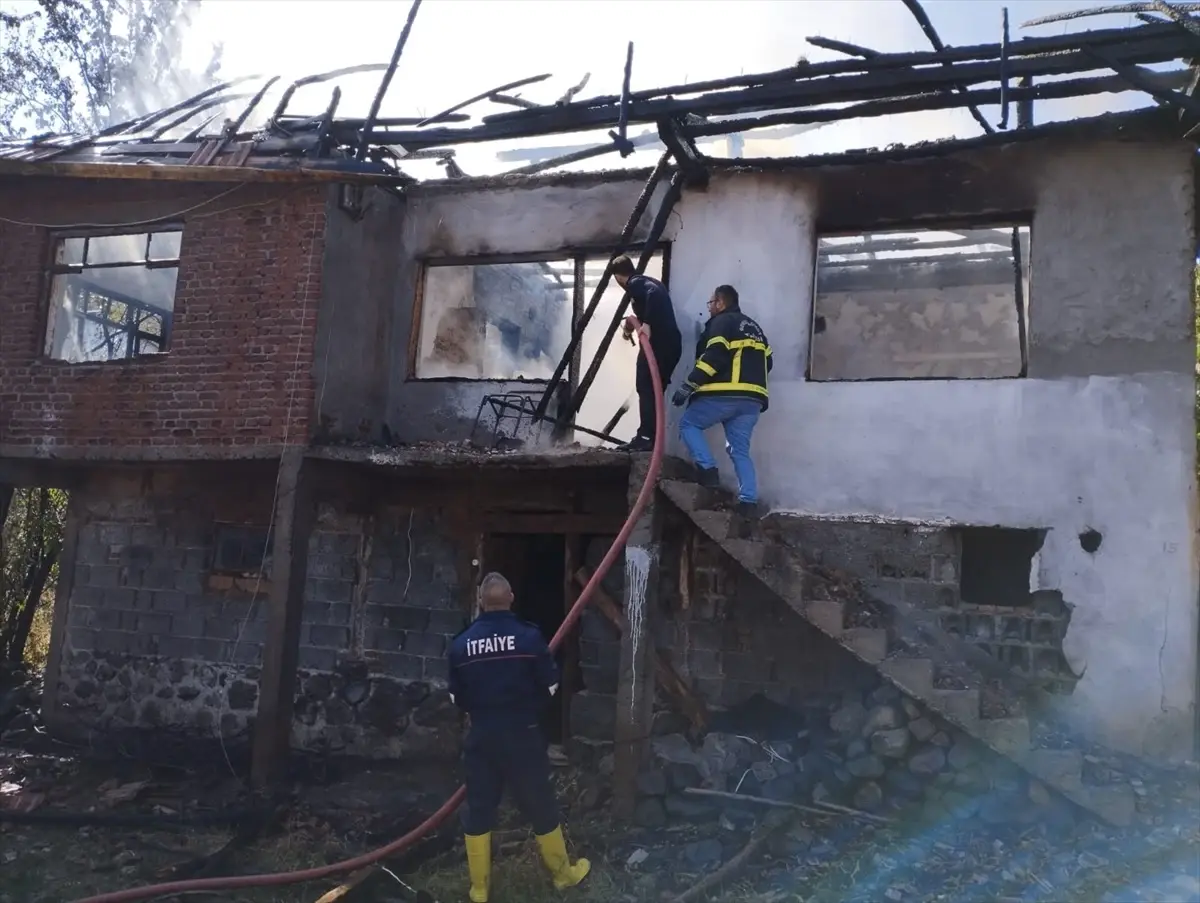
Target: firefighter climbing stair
911,658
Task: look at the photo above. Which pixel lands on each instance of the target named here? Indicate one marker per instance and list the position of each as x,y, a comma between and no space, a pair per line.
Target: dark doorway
535,565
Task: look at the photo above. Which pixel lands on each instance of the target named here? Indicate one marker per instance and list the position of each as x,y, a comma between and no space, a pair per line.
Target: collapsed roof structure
235,124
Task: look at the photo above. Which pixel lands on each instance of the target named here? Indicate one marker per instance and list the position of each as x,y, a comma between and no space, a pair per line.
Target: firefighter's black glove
682,394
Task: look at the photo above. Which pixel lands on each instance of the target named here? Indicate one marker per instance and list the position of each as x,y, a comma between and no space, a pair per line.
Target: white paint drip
637,575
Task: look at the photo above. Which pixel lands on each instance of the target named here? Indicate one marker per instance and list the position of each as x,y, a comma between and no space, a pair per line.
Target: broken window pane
495,321
117,307
924,304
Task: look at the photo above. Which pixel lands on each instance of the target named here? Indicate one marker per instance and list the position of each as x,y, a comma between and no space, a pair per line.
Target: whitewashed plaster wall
1112,253
1099,436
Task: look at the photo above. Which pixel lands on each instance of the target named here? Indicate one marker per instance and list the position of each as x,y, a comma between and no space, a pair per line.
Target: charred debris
234,124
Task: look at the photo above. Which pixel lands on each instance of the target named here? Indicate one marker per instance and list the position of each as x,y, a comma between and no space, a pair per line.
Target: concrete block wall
155,638
922,566
736,639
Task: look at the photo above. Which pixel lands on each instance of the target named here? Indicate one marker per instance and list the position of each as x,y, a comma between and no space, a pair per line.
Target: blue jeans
738,416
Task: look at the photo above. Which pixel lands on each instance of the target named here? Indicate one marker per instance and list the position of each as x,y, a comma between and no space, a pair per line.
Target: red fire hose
447,809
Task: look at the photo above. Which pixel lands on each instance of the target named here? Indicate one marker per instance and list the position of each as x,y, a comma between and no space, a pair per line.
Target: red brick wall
245,316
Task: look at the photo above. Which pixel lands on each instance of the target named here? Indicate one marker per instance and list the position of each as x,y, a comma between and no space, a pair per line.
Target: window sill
147,360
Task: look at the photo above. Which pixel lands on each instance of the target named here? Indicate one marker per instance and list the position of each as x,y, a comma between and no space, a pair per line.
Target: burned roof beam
323,131
484,95
237,124
918,11
316,79
190,114
1178,16
386,81
357,124
513,101
919,103
619,136
1119,9
194,100
865,53
808,71
684,150
1148,84
1155,45
586,153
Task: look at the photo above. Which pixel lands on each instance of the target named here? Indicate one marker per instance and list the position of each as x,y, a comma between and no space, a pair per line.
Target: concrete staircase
949,676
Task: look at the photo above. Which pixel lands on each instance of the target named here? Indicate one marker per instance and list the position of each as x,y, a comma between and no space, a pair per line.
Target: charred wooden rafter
670,199
386,81
687,156
868,83
882,78
918,12
624,243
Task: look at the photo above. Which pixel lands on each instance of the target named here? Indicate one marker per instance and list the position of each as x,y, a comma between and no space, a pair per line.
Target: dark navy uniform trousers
502,674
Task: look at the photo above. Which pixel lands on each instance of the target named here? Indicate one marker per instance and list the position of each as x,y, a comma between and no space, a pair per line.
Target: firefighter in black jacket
655,315
501,674
728,386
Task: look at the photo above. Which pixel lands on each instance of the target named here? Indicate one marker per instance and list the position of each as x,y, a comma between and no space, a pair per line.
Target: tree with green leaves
78,66
31,538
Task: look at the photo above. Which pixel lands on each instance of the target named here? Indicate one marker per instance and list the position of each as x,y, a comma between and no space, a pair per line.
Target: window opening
112,297
921,304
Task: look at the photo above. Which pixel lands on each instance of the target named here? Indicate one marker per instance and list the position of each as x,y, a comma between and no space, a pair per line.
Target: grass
518,876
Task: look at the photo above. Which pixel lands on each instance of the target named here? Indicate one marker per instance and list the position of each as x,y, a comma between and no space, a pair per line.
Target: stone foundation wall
156,638
872,750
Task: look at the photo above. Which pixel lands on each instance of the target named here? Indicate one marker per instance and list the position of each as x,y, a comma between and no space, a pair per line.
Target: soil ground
342,808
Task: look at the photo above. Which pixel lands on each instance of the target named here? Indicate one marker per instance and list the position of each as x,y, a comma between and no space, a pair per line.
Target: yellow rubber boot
554,854
479,865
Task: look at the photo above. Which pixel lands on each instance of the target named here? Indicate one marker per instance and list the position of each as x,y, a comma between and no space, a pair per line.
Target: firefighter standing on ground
655,315
728,386
501,674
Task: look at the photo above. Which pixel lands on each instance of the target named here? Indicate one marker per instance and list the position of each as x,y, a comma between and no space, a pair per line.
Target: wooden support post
62,608
635,698
295,512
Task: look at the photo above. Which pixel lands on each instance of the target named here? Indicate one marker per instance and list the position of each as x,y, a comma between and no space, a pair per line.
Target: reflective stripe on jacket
733,358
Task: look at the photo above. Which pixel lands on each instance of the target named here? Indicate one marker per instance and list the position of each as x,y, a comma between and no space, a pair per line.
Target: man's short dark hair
623,266
728,294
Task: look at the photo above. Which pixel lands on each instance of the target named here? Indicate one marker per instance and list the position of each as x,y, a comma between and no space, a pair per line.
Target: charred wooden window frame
52,268
1022,220
577,255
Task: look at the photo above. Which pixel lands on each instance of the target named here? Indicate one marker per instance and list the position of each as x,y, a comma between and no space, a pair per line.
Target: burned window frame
54,269
580,296
1023,287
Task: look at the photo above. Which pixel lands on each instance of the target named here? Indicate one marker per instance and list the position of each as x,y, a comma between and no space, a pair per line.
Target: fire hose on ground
447,809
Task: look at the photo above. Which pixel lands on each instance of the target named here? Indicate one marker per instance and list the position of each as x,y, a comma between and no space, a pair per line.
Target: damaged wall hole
1089,540
1002,613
